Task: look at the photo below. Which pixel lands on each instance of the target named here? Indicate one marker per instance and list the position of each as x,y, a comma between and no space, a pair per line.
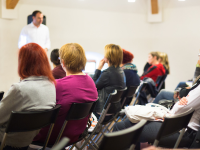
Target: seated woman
130,71
76,87
170,95
156,68
110,79
35,92
150,130
58,71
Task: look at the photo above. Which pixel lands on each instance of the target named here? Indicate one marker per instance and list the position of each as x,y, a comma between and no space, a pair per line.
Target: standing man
35,32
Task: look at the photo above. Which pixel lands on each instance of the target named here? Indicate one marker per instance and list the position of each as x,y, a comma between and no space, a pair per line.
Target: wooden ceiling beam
10,4
154,6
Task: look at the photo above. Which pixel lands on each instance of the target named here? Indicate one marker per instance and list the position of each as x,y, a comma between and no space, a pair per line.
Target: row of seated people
38,90
189,97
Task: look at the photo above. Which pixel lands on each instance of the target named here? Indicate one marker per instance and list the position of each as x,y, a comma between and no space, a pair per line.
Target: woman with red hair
130,71
35,91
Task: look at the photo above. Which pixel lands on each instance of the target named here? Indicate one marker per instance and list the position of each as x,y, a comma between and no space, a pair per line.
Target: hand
183,101
101,64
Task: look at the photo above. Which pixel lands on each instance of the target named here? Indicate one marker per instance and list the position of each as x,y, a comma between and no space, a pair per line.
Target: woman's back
70,89
31,94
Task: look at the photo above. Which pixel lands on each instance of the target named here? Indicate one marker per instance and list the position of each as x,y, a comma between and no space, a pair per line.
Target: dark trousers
150,131
14,148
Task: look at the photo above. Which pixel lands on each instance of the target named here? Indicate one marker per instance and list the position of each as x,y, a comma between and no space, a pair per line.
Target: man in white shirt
35,32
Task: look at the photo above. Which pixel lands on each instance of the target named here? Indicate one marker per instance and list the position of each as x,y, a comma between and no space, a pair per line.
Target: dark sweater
106,82
58,72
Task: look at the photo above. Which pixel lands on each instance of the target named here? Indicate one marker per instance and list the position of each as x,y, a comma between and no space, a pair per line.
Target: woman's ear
106,60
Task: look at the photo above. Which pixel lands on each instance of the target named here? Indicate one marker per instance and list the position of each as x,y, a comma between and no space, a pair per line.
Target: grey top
34,93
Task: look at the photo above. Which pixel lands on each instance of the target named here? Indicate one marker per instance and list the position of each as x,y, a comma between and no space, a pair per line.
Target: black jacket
106,82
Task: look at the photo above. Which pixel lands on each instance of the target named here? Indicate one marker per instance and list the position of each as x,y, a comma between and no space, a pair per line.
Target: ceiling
110,5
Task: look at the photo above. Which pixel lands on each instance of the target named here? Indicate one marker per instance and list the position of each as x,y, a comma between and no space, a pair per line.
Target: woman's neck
155,62
68,73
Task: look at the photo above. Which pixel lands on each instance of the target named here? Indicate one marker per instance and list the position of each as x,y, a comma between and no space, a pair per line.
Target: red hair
127,56
33,61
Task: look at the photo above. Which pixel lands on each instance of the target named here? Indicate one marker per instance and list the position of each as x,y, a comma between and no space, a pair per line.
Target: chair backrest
79,111
160,80
62,144
142,87
114,101
123,139
29,121
131,91
196,141
174,124
128,93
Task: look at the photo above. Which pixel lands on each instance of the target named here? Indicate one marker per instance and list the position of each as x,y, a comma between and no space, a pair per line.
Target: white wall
92,29
178,35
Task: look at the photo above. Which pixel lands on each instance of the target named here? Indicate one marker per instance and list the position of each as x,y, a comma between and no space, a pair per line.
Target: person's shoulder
44,26
26,27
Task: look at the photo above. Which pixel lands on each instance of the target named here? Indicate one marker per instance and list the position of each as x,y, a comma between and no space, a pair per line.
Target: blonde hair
155,54
114,54
164,60
74,57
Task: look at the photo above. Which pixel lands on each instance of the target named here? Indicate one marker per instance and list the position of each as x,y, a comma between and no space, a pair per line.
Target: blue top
132,78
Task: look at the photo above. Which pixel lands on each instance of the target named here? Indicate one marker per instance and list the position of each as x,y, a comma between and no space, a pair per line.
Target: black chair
142,87
128,94
30,121
112,106
61,145
160,81
1,95
77,111
196,141
124,139
174,124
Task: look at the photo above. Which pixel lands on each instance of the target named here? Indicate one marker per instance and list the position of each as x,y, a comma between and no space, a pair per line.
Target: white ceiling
110,5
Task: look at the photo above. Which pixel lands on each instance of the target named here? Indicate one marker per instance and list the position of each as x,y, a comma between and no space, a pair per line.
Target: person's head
55,57
72,57
33,61
153,58
127,57
113,54
37,17
164,60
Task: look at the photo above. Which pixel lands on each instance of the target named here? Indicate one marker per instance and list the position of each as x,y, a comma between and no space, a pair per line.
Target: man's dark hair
55,57
35,12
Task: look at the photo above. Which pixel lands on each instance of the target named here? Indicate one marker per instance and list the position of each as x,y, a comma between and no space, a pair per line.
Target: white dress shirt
33,34
193,98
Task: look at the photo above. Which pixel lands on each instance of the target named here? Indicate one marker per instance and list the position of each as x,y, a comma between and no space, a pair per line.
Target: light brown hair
74,57
114,54
164,60
155,54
